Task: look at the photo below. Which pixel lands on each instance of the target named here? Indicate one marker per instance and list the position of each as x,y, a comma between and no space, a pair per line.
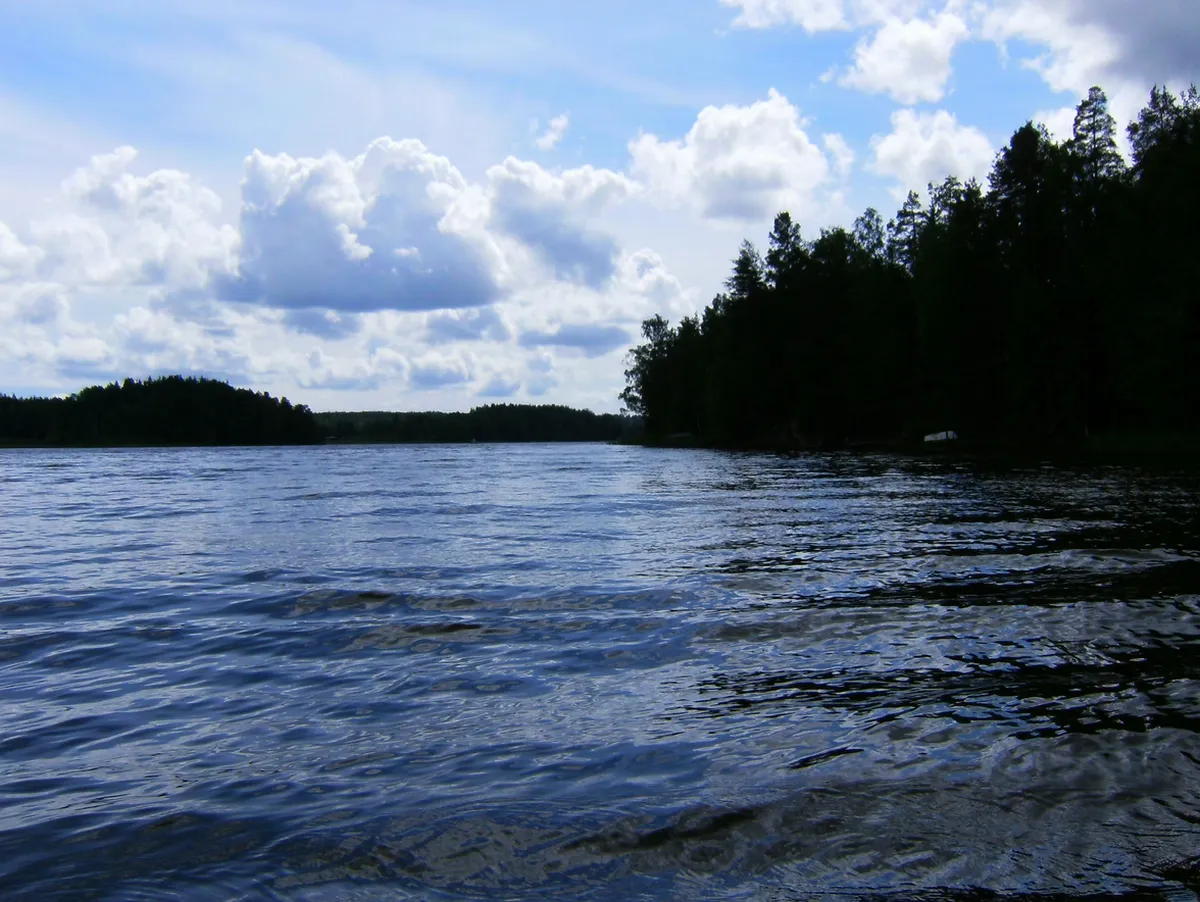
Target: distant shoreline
8,446
178,411
1128,450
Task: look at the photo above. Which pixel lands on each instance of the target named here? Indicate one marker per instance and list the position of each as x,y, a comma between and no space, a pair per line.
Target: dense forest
172,410
1059,304
493,423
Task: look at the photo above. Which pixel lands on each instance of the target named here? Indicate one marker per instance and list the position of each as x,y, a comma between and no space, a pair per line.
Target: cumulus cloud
927,147
645,273
1125,47
554,133
483,324
1089,42
360,373
541,363
322,323
33,303
120,228
841,153
1078,51
17,259
85,357
1071,44
432,372
1074,43
1158,42
339,274
397,227
908,54
736,162
541,383
1060,123
388,271
593,340
908,59
548,213
150,340
499,387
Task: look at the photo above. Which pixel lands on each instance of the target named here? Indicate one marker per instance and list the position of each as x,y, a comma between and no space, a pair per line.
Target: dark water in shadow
594,673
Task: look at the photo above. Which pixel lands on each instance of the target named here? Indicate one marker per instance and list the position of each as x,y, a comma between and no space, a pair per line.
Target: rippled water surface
590,672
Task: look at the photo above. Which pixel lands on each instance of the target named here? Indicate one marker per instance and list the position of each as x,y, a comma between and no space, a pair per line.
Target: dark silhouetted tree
1058,303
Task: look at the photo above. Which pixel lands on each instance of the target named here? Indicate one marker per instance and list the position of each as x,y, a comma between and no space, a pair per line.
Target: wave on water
595,673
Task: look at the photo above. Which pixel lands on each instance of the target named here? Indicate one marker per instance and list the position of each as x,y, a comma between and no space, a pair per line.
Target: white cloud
40,304
594,340
821,15
549,139
927,147
303,294
391,272
151,340
1060,123
1071,44
1123,47
85,357
158,229
435,370
337,233
548,214
17,258
499,386
841,153
908,59
644,274
1089,42
477,324
348,373
736,162
1078,52
811,15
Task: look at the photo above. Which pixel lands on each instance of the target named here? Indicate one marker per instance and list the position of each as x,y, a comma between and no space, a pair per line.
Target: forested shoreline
190,411
1058,307
171,410
490,423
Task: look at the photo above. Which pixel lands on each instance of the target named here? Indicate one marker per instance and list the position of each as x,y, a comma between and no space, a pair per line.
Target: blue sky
432,204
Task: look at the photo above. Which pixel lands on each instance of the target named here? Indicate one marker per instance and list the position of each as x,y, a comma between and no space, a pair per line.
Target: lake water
591,672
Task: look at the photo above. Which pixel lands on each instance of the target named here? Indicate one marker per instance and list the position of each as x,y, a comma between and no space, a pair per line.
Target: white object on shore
950,436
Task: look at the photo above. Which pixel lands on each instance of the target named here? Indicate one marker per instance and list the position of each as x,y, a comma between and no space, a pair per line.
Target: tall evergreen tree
1094,143
1059,303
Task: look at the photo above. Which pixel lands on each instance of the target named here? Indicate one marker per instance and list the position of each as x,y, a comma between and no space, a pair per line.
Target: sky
436,204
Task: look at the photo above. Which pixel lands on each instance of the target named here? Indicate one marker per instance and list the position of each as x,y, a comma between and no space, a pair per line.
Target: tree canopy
490,423
1059,302
172,410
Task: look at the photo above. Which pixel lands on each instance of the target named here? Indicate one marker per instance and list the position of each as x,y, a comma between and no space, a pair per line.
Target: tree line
1060,303
171,410
177,410
491,423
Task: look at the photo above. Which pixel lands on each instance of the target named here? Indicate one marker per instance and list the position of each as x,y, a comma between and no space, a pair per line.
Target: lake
594,672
